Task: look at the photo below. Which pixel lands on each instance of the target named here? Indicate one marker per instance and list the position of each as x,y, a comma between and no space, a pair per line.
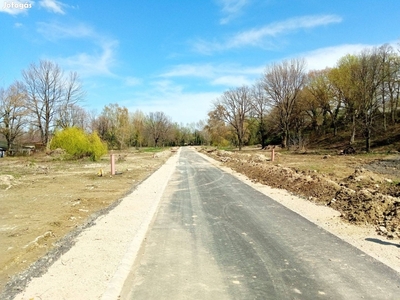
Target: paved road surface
217,238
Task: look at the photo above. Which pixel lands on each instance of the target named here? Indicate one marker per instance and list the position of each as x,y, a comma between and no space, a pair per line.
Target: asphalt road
214,237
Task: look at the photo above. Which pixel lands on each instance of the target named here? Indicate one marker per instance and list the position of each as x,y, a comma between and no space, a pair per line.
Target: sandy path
96,267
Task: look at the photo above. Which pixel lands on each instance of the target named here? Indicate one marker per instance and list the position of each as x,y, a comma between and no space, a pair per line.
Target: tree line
47,100
289,106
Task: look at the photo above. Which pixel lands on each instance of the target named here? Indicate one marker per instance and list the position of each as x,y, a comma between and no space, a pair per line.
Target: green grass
228,148
152,149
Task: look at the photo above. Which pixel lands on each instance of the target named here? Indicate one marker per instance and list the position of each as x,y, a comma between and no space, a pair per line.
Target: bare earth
366,237
53,198
43,198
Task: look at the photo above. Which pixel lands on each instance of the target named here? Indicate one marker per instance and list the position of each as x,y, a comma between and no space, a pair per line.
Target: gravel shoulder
97,265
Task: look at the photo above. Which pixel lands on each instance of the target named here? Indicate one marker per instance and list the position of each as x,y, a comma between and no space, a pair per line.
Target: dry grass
42,198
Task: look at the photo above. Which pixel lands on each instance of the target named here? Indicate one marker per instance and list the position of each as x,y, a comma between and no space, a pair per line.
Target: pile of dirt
365,197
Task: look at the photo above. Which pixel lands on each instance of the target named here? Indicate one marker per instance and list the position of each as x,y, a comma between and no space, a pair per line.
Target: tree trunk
334,128
353,129
368,140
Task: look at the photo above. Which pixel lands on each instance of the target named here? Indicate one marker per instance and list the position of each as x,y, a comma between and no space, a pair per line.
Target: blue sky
177,56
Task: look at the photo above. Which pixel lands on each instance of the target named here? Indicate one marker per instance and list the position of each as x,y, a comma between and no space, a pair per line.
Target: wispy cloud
56,31
132,81
97,62
231,9
258,37
15,7
230,75
174,101
53,6
329,56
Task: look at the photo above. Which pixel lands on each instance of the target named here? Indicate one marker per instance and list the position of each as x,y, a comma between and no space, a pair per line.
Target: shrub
78,144
97,147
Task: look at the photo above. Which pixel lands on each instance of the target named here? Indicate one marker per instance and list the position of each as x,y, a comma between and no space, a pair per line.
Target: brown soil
365,189
43,198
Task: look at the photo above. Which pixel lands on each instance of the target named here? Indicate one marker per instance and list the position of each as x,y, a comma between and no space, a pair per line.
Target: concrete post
112,159
273,155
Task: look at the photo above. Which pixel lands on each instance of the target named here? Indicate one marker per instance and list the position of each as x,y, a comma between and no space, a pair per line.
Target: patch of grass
3,186
228,148
152,149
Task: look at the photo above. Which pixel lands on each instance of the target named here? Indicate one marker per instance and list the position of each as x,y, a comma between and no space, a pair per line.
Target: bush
97,147
78,144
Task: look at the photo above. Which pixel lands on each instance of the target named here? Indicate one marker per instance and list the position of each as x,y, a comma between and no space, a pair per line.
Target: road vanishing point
215,237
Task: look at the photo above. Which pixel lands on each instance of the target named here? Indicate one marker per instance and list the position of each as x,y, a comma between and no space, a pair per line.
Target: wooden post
112,159
272,154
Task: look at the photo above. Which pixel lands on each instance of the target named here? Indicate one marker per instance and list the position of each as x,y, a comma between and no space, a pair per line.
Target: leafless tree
260,105
73,115
12,112
234,107
158,125
283,82
47,91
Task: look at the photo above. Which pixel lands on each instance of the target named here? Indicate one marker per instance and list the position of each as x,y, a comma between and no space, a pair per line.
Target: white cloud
257,37
132,81
57,31
182,107
93,64
191,106
15,7
98,62
328,57
53,6
231,9
230,75
195,70
232,80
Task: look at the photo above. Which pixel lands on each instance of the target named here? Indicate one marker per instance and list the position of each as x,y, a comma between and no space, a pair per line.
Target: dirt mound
364,197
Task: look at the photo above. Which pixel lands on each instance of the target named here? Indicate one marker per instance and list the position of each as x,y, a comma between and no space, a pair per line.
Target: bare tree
69,113
47,91
234,107
73,115
283,82
158,125
260,106
12,112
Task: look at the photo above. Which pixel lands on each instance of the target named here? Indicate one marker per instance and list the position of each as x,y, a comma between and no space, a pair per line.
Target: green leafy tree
78,144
